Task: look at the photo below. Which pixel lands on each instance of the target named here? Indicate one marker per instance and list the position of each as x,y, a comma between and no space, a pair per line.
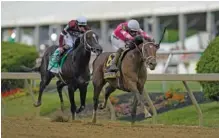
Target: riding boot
113,67
56,58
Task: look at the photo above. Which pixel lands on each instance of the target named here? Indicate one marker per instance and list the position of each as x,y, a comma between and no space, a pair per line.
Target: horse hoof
94,121
62,107
101,107
37,104
80,109
132,123
148,116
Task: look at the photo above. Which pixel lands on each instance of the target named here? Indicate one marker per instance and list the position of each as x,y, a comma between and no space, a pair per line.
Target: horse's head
148,50
90,41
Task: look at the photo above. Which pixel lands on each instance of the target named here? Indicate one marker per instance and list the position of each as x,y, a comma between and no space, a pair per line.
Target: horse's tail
27,69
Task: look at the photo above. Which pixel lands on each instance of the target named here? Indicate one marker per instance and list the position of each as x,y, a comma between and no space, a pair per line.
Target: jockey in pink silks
122,36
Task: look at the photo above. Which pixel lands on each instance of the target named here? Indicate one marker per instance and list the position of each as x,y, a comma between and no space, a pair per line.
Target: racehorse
75,70
133,74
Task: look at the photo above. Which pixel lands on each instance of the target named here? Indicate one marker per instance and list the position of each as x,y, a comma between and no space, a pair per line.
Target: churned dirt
24,127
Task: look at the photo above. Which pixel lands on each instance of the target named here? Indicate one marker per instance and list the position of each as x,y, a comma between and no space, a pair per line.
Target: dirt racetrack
17,127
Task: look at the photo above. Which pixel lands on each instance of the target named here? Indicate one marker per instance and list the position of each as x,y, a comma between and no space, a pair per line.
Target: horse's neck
137,61
82,56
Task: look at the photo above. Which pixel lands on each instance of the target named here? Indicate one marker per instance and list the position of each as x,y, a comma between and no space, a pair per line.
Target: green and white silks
54,62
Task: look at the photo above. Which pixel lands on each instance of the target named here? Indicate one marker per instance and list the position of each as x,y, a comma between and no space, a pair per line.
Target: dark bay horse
75,70
133,75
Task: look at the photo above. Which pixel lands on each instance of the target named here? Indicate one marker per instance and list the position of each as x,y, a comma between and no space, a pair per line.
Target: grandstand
190,24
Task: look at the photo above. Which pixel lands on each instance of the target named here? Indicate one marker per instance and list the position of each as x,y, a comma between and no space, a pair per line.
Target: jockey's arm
64,32
127,36
146,36
61,37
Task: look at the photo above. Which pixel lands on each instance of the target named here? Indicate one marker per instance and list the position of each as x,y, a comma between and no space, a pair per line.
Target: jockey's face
133,33
81,28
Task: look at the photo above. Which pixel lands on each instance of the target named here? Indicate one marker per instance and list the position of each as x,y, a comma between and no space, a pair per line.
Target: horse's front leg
134,109
83,93
71,91
140,98
151,105
45,80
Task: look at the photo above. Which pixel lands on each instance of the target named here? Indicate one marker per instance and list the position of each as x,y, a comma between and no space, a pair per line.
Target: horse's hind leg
83,93
60,85
97,89
108,90
45,80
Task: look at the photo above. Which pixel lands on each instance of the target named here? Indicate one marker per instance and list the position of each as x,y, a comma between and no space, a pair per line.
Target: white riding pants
116,42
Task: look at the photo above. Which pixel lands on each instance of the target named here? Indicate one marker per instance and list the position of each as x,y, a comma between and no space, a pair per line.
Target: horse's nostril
153,63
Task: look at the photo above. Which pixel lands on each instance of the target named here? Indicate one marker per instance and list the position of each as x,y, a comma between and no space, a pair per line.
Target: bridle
88,47
142,52
149,58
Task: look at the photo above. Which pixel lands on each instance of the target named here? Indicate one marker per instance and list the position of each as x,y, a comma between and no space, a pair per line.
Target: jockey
71,32
68,36
122,36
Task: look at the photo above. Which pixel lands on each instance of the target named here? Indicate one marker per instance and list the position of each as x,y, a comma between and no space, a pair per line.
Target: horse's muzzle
152,64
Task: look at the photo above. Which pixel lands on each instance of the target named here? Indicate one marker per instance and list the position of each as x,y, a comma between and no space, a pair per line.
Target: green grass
24,105
184,116
51,102
151,86
188,116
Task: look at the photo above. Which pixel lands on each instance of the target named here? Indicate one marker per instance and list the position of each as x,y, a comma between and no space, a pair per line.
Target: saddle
108,63
63,56
56,66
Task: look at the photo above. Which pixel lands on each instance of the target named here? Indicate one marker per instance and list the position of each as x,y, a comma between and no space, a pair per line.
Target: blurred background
28,28
190,25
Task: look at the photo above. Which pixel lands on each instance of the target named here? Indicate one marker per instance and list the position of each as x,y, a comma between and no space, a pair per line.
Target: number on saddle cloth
108,63
109,60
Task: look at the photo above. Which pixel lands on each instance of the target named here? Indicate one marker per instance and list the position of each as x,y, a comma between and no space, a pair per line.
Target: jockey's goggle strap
82,23
132,31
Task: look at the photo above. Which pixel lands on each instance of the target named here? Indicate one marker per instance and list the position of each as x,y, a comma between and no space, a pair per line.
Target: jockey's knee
66,47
